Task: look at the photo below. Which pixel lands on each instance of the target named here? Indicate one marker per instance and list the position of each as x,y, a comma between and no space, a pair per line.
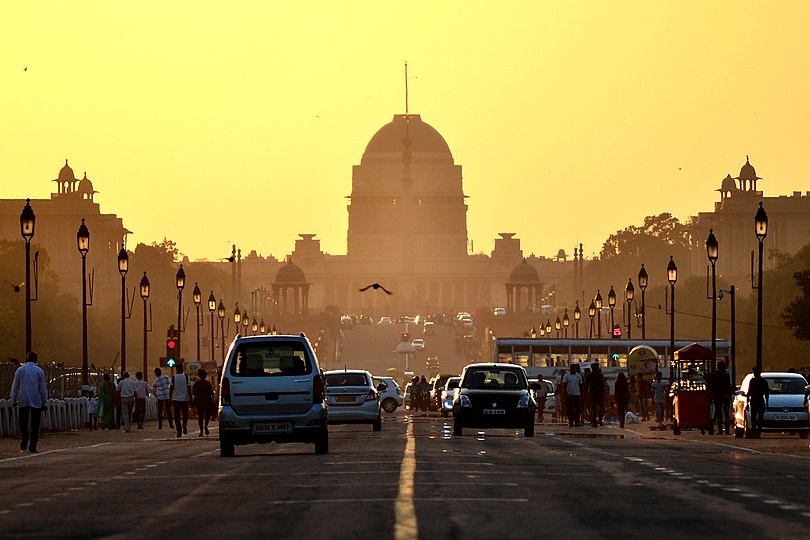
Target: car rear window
786,385
494,378
270,359
346,379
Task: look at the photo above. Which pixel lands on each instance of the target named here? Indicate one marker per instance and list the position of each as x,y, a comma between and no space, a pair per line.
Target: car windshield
495,378
346,379
270,359
786,385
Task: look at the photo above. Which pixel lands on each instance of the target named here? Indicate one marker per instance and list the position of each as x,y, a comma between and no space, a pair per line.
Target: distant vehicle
385,320
494,396
366,319
409,320
352,398
787,409
499,311
437,383
447,394
391,396
429,328
418,344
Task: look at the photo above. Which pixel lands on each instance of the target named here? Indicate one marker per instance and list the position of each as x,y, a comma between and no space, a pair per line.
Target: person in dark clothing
758,394
203,399
595,383
721,391
621,395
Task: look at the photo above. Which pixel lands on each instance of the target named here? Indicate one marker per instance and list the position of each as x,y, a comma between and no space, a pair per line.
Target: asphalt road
411,480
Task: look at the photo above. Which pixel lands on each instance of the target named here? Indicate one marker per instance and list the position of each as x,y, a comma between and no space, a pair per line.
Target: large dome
66,174
290,273
524,273
424,139
747,172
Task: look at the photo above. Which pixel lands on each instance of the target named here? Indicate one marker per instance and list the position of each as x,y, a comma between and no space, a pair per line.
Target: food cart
691,401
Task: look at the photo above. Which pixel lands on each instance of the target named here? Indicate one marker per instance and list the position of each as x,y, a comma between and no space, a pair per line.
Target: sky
212,123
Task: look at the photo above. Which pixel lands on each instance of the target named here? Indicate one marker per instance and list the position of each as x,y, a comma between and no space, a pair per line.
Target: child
92,409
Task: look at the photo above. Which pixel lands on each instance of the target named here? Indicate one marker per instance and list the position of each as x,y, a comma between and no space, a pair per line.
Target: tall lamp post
212,307
672,277
245,322
629,294
557,326
548,328
598,301
262,327
761,229
566,322
196,296
254,326
144,297
27,223
577,317
180,281
611,305
642,284
221,315
591,314
83,242
712,253
123,268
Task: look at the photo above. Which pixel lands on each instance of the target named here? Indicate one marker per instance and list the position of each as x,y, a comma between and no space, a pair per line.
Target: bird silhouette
229,259
16,287
376,286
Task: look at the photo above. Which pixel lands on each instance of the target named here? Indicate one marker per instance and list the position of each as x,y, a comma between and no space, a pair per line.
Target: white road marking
405,525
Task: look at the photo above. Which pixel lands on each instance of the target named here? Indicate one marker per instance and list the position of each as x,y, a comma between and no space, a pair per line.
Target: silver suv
272,390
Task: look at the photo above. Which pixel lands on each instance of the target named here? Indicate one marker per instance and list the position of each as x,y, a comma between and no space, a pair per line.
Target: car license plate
785,417
494,411
271,427
344,399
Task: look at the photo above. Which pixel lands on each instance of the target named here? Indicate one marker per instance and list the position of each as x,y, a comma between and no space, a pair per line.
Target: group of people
116,406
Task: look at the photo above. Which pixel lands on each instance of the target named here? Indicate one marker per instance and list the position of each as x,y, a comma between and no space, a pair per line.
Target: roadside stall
691,401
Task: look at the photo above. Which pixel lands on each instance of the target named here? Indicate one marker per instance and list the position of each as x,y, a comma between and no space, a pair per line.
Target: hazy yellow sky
213,123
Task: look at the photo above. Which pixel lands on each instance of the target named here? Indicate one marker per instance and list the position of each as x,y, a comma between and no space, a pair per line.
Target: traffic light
171,351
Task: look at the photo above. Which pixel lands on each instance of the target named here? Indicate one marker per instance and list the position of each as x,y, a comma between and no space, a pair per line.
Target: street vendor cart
691,401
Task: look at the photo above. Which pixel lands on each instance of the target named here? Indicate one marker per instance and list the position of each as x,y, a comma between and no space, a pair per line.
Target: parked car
787,409
499,311
447,394
272,391
352,398
550,402
436,383
418,344
494,396
385,320
429,328
391,395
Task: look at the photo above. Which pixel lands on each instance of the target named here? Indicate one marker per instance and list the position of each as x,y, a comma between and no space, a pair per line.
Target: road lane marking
405,525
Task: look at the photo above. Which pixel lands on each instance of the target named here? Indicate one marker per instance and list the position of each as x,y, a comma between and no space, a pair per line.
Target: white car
418,344
448,393
352,398
391,397
385,320
787,409
499,311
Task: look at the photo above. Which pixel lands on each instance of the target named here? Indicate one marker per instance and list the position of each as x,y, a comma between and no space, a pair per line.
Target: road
411,480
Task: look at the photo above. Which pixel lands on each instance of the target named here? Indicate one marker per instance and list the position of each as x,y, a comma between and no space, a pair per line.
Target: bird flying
16,287
376,286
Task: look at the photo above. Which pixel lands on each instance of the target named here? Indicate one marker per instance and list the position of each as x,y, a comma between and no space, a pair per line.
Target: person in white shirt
572,383
141,393
30,394
180,392
127,389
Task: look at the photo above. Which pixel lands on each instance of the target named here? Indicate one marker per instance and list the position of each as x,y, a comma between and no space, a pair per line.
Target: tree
796,314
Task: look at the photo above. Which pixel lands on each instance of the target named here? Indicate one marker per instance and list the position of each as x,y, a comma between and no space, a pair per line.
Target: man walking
160,389
30,394
127,389
721,392
572,383
180,391
758,395
659,391
141,392
595,383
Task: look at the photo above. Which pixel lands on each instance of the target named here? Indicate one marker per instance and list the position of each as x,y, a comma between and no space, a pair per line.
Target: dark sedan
494,396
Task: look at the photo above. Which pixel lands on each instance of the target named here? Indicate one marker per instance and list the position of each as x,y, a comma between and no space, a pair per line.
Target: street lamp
221,315
591,314
577,317
237,318
83,243
533,333
598,301
123,268
761,230
566,321
212,307
548,328
262,327
672,277
196,296
254,326
629,294
180,281
642,284
557,326
27,223
712,254
245,322
144,297
611,304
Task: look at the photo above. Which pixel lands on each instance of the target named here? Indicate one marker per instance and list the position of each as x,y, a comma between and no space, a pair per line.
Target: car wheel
225,447
389,405
529,430
322,442
377,425
457,428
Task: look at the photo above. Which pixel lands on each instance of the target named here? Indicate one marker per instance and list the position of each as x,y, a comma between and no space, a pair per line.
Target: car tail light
225,391
317,389
371,396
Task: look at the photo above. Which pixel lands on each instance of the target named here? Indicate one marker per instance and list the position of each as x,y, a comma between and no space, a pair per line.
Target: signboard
642,360
192,367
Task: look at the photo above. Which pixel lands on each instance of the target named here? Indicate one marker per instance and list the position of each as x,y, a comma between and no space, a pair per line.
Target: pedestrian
721,392
203,399
160,389
559,396
659,392
141,393
126,387
118,406
621,395
758,396
644,394
541,395
106,398
596,394
572,383
92,409
179,394
30,395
